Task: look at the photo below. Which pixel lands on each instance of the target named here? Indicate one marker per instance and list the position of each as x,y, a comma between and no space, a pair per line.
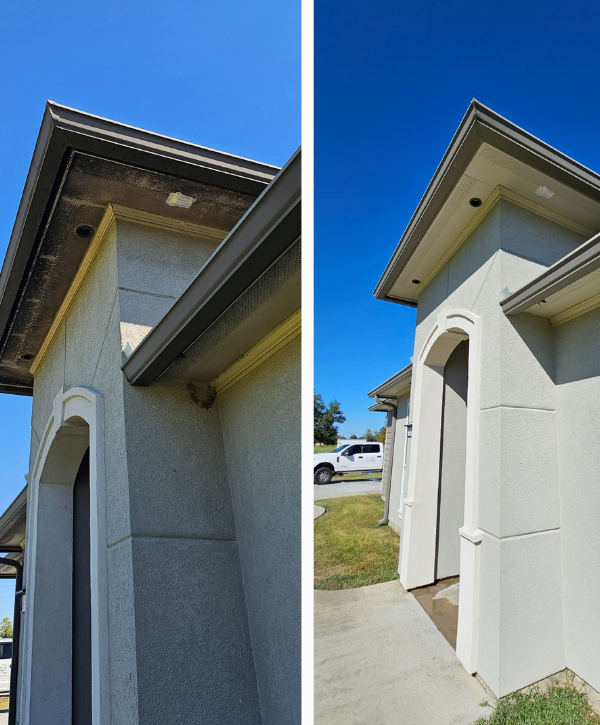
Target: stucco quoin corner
418,549
76,423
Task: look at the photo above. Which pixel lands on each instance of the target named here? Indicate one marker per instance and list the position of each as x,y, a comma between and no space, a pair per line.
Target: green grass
354,476
3,703
324,449
351,550
561,704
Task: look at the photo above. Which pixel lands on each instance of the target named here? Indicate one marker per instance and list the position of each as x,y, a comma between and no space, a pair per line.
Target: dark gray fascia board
481,125
576,265
16,510
267,229
65,130
377,408
403,375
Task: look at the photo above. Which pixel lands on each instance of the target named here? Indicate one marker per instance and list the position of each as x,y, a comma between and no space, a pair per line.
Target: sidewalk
380,659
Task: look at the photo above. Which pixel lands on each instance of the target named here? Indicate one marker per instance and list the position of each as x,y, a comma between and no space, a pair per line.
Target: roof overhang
563,291
12,532
394,387
248,287
489,158
80,164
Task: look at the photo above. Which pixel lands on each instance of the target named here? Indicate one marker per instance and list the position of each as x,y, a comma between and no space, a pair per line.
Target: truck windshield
6,651
341,448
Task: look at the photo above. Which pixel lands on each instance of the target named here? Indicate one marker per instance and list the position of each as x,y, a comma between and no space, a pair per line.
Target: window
353,450
6,651
341,448
372,448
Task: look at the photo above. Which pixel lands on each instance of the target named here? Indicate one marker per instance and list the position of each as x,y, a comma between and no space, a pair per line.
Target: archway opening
441,598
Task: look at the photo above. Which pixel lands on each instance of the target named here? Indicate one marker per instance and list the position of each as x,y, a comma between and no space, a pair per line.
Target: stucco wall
179,639
260,416
578,410
451,505
518,481
395,522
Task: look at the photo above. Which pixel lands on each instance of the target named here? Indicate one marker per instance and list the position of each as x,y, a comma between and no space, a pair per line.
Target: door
352,459
81,622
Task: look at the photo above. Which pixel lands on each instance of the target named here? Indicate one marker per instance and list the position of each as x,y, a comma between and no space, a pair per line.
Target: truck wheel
323,475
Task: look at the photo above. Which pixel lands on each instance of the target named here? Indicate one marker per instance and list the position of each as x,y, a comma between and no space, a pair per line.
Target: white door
352,458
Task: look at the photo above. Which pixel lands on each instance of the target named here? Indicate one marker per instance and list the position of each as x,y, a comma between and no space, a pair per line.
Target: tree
353,437
370,436
326,420
381,434
6,628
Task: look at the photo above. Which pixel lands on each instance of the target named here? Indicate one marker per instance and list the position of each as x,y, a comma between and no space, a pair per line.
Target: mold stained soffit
267,229
64,131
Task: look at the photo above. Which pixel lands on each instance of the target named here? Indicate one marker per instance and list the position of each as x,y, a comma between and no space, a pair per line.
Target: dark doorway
82,630
440,599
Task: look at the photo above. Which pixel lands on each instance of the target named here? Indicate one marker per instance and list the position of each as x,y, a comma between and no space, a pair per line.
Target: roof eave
267,229
480,124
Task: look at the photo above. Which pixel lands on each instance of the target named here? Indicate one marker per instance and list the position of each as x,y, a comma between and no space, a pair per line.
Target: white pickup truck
346,458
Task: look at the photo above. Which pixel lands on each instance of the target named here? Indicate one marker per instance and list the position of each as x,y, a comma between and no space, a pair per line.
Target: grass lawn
3,703
351,550
356,476
559,705
324,449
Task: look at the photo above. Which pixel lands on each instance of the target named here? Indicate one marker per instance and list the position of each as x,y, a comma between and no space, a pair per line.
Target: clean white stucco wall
395,520
578,416
174,576
518,481
261,420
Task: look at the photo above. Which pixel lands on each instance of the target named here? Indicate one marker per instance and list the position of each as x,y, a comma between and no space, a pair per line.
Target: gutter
386,510
267,229
571,268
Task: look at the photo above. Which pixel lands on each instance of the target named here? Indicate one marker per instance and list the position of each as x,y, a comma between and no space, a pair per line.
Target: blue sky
392,83
225,75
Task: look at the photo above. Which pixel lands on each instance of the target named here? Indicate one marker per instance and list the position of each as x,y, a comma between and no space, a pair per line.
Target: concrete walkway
319,511
335,489
380,659
3,718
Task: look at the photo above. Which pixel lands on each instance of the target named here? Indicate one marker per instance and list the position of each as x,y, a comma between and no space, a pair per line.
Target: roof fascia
267,229
403,376
571,268
480,125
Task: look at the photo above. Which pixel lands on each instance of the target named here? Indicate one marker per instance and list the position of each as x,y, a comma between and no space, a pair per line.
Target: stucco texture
519,485
179,635
261,430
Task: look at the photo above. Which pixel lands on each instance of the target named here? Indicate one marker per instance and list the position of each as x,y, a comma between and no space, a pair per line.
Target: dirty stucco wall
578,415
260,416
173,562
521,578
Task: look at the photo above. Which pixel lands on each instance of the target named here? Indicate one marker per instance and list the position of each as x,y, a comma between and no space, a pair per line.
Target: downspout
14,670
386,510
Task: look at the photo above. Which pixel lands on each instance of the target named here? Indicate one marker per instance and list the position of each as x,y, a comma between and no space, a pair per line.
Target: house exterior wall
175,585
261,422
578,417
518,482
395,470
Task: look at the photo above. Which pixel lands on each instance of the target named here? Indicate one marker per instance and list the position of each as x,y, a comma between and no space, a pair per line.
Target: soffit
491,174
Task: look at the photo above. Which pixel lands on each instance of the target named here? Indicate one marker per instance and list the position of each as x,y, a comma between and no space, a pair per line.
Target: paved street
380,659
335,489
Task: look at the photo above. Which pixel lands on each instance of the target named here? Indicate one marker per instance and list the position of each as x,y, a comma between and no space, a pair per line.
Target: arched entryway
440,534
65,643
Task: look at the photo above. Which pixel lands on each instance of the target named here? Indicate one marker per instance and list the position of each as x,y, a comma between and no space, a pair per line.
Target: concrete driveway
380,659
335,489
